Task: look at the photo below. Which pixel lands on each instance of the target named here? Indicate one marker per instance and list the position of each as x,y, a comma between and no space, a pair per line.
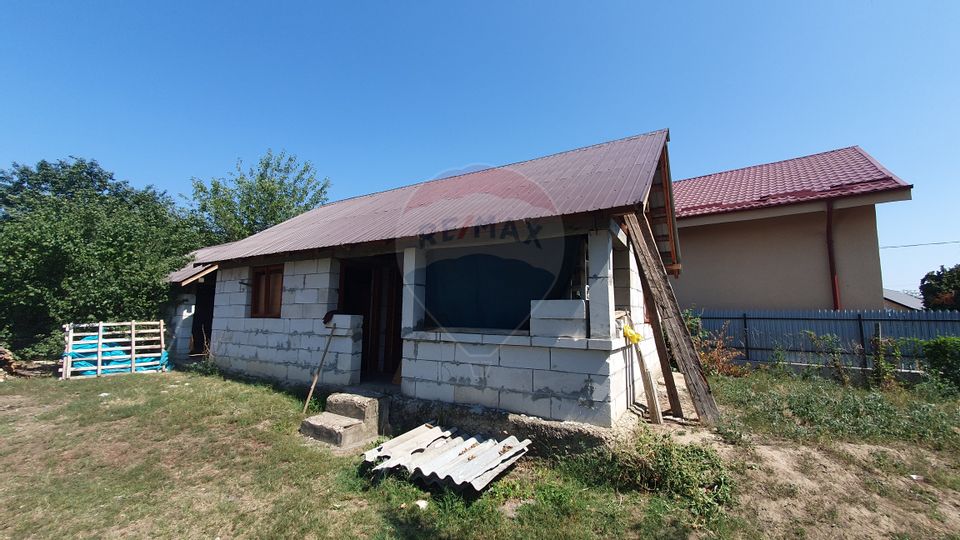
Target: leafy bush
942,357
76,245
692,474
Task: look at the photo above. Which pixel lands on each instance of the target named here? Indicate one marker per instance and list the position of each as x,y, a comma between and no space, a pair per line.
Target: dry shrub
716,355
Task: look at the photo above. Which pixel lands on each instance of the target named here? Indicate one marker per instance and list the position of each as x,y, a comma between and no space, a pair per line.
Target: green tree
941,288
245,203
77,245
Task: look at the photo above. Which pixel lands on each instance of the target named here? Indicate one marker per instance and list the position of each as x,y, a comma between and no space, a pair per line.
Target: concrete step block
337,430
363,408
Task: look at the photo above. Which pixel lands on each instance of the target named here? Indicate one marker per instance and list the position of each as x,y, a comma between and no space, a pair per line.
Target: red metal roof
609,175
828,175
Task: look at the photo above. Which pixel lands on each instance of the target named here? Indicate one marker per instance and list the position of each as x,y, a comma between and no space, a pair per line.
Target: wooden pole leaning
316,375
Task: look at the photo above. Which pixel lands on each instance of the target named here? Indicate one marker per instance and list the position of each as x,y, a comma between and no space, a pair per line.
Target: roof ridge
853,147
422,182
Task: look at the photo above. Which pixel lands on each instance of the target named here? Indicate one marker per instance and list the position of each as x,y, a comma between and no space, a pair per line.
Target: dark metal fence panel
787,335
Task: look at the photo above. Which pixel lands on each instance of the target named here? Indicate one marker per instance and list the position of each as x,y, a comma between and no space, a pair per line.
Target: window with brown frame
267,285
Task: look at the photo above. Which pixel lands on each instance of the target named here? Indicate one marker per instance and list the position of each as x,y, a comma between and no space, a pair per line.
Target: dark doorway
372,287
205,288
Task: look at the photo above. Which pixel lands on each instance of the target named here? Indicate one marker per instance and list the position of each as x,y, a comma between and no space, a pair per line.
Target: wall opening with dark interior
372,287
491,286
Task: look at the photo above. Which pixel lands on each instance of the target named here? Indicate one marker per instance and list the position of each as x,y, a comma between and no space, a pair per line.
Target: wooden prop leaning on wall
653,277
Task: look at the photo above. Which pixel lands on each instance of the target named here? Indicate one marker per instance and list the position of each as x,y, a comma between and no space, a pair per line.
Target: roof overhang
898,194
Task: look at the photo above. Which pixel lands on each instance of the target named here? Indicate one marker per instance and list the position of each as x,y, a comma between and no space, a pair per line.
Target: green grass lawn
188,455
183,455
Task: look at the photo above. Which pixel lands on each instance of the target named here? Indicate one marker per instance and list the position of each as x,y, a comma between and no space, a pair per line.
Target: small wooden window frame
266,291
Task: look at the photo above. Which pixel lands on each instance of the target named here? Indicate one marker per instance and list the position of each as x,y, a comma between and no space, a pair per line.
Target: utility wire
926,244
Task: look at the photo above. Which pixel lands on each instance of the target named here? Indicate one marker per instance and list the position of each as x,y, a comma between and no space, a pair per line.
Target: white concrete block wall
600,291
557,383
558,318
287,349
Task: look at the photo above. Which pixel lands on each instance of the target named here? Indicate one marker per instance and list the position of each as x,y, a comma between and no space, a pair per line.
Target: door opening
203,313
372,287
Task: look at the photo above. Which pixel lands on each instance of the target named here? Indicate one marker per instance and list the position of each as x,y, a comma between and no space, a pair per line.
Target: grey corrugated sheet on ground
610,175
438,455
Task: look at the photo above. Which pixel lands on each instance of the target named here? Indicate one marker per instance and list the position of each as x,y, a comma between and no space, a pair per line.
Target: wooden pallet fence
112,348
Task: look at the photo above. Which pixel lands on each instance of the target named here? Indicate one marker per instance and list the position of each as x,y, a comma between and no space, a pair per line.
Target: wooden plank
653,276
649,385
163,343
100,349
67,361
675,408
133,346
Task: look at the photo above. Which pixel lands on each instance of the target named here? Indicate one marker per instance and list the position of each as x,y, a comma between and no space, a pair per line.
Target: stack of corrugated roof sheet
438,455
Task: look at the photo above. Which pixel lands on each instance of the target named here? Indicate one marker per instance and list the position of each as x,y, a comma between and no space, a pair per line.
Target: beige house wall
781,262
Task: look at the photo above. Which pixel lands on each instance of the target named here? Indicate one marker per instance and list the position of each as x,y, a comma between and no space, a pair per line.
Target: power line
926,244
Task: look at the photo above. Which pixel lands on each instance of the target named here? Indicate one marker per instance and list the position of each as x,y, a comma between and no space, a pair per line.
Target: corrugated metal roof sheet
436,455
828,175
608,175
191,269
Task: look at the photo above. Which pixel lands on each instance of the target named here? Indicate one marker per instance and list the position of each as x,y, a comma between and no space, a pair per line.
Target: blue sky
379,95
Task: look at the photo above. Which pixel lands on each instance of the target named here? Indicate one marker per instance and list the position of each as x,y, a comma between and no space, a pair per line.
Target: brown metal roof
609,175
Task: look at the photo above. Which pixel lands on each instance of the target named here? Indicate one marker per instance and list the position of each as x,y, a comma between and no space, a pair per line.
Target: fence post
746,337
863,342
99,348
67,361
133,346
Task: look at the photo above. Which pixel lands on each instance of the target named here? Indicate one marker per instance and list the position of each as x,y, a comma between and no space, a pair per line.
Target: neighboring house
795,234
901,301
505,288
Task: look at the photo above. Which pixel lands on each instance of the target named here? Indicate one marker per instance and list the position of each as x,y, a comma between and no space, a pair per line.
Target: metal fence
767,336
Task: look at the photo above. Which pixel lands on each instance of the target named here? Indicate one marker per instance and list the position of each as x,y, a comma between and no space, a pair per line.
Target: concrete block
506,378
337,430
461,337
308,266
573,385
292,283
435,391
346,321
485,397
306,296
419,335
314,311
495,339
408,387
525,357
580,361
421,369
292,311
559,342
409,348
301,326
436,351
578,410
558,309
317,281
463,374
606,344
525,403
345,344
299,375
472,353
576,328
325,265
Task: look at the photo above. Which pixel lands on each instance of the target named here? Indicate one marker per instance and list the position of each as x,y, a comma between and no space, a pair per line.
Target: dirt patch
832,493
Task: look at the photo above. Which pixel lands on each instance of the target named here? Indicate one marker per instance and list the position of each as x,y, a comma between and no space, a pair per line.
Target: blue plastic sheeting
83,354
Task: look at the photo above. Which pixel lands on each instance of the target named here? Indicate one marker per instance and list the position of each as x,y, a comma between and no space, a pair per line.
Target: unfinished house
505,288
